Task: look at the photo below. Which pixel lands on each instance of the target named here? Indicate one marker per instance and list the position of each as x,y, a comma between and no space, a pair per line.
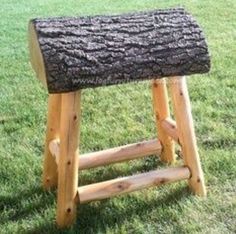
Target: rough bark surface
94,51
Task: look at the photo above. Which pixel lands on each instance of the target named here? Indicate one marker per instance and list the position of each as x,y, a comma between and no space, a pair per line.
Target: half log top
68,54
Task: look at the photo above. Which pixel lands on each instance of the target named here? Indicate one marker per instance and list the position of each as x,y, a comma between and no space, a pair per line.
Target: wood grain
161,110
184,121
129,184
112,155
68,160
52,132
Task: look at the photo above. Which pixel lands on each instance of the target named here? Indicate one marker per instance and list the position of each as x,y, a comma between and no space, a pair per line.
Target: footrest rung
113,155
128,184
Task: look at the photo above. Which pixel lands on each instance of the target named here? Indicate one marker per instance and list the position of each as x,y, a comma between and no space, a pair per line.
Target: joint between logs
77,197
170,128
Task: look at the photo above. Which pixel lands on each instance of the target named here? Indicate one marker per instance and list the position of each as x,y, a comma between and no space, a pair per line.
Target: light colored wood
35,54
120,154
184,121
113,155
68,160
54,147
52,132
161,110
169,126
129,184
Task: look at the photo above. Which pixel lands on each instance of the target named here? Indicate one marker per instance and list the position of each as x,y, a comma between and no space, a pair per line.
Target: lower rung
110,188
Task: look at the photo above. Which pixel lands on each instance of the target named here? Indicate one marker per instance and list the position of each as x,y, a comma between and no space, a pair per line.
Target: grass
25,208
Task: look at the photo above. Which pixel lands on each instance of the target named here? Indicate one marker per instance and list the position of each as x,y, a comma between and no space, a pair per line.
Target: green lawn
115,116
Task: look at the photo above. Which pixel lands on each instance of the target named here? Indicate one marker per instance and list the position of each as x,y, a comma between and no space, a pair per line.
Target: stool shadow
89,215
95,218
38,198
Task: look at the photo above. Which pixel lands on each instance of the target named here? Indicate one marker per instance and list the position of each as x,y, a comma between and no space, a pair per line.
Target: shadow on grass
100,216
219,143
22,203
93,217
105,214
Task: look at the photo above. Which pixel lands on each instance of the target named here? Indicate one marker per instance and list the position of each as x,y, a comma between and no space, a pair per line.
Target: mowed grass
115,116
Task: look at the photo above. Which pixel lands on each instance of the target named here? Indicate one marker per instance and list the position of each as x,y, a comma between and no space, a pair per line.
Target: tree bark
94,51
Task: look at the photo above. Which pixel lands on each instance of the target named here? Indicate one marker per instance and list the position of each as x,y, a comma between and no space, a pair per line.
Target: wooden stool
70,54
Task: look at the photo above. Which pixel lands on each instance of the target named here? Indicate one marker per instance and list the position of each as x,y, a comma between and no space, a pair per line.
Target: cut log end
36,57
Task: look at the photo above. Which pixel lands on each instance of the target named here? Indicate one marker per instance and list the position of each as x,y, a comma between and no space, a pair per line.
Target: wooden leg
161,109
184,121
52,132
68,159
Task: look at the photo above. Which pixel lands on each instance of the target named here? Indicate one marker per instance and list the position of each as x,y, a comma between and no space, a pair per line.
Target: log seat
71,53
